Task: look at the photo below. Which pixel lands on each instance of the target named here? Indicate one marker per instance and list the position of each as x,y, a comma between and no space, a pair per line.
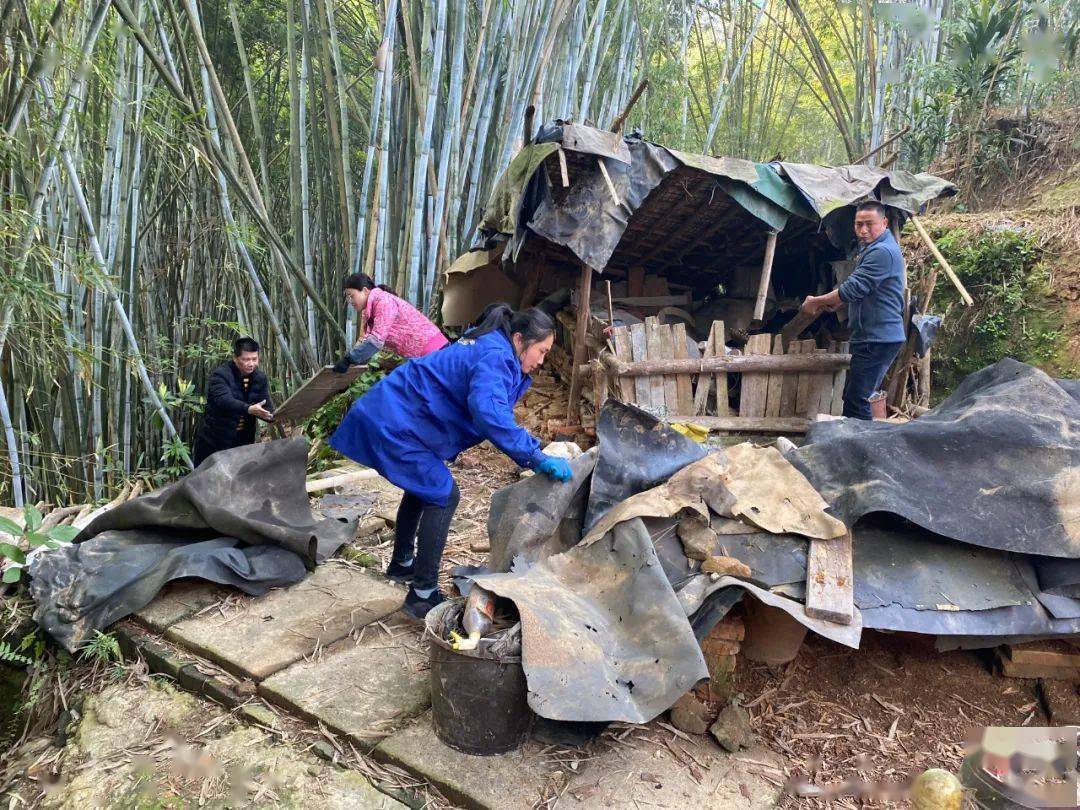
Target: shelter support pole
573,410
766,274
964,295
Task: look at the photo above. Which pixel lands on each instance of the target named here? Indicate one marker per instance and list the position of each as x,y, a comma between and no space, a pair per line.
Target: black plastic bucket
479,702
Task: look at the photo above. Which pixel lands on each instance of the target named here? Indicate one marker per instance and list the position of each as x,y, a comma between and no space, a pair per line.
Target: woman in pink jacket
386,322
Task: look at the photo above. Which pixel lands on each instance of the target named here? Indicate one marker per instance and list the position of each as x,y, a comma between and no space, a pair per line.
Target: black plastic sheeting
637,453
997,464
925,329
241,519
587,220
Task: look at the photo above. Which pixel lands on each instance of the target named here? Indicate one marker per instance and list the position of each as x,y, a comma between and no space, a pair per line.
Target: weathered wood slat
704,381
620,336
802,391
732,363
820,390
718,340
790,385
754,384
684,396
776,382
830,592
655,352
836,407
642,395
667,351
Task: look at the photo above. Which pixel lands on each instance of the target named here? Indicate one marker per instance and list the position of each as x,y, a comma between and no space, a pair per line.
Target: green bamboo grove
176,172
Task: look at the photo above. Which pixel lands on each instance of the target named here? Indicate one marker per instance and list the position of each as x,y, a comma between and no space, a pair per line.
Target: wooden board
776,382
747,424
830,591
684,392
642,395
802,390
836,406
820,389
790,385
755,386
315,393
667,352
718,338
620,336
655,350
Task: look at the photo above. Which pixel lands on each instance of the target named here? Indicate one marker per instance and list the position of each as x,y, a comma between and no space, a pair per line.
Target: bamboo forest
176,173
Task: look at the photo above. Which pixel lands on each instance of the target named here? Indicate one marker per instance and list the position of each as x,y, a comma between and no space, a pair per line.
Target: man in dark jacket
874,294
238,396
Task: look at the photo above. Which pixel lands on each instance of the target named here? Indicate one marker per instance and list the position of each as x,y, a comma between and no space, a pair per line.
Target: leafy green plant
27,537
326,420
102,647
174,458
8,655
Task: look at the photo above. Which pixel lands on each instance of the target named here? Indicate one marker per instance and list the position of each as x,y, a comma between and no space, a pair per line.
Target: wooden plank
705,381
581,350
802,391
796,326
820,400
766,273
667,348
642,395
836,406
635,282
684,397
620,335
1016,669
754,384
732,363
683,300
776,382
656,352
316,392
830,592
746,424
790,385
718,338
1039,655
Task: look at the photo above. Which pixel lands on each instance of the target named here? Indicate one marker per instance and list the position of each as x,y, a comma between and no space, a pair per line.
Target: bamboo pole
941,260
766,274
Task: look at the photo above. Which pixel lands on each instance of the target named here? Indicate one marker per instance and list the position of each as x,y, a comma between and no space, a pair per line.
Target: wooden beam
729,364
964,295
686,299
573,408
796,326
617,124
746,424
766,274
830,591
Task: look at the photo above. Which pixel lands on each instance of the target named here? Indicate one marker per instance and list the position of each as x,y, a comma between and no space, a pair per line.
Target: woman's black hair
362,281
532,324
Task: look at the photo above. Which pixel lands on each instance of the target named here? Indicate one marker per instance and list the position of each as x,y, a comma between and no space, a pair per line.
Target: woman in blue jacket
427,411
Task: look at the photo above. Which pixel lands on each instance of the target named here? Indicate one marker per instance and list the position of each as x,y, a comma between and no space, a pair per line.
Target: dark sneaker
418,608
399,572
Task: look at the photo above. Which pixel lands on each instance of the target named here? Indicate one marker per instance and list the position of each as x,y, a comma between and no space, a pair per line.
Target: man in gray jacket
874,294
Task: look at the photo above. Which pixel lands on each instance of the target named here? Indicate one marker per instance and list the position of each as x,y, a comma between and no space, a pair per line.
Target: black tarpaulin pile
965,527
241,519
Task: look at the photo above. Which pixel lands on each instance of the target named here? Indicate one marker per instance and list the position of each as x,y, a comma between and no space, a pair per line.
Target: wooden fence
773,399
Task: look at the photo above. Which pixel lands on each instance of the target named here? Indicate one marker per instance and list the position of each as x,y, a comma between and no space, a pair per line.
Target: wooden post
766,273
964,295
573,409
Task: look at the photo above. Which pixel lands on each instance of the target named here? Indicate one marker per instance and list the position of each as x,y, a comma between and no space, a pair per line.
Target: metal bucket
479,701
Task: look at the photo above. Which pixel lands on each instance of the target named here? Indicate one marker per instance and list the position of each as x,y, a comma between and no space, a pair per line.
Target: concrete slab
363,691
177,601
646,772
516,781
267,633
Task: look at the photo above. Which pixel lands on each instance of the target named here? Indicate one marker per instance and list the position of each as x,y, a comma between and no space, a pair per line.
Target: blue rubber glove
556,468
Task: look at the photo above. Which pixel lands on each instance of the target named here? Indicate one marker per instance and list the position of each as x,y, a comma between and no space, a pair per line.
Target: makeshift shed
698,262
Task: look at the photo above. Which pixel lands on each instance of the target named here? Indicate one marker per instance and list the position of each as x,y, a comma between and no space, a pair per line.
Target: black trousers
420,533
869,362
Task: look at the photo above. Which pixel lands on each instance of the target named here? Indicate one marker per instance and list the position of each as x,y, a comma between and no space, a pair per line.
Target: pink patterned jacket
395,324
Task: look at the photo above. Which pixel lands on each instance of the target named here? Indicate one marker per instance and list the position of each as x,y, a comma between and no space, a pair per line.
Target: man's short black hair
871,205
244,344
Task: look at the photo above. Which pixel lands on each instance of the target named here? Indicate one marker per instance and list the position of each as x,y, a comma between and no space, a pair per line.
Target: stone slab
267,633
177,601
363,691
647,773
514,781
